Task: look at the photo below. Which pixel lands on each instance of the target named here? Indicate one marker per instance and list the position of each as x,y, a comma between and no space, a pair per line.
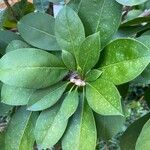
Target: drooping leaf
69,30
16,44
19,134
129,137
103,97
93,75
15,95
38,30
99,15
69,60
108,126
89,52
49,128
81,132
5,38
45,98
123,60
31,68
131,2
143,141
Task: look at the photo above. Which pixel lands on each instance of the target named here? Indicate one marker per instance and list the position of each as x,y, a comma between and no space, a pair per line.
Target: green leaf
4,109
49,128
69,30
19,134
99,15
143,141
108,126
2,140
31,68
104,101
129,137
131,2
45,98
69,60
5,38
123,60
89,52
37,29
93,75
69,105
81,132
15,95
16,44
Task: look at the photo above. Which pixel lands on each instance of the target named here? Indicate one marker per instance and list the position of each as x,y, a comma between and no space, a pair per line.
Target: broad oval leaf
16,44
129,137
103,97
81,132
5,38
19,134
45,98
49,128
143,141
38,30
31,68
69,30
11,95
131,2
123,60
89,52
99,15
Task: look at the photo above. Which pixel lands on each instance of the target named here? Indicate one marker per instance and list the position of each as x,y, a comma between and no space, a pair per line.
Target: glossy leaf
143,141
16,44
15,96
69,30
93,75
99,15
19,134
45,98
5,38
104,101
69,60
81,132
32,68
123,60
49,128
108,126
129,137
89,52
38,30
131,2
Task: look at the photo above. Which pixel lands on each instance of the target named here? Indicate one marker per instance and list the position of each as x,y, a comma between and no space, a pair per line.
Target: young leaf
38,30
69,30
129,137
93,75
5,38
131,2
89,52
16,44
143,141
99,15
45,98
19,134
123,60
108,126
103,97
15,95
81,132
69,105
69,60
31,68
49,128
